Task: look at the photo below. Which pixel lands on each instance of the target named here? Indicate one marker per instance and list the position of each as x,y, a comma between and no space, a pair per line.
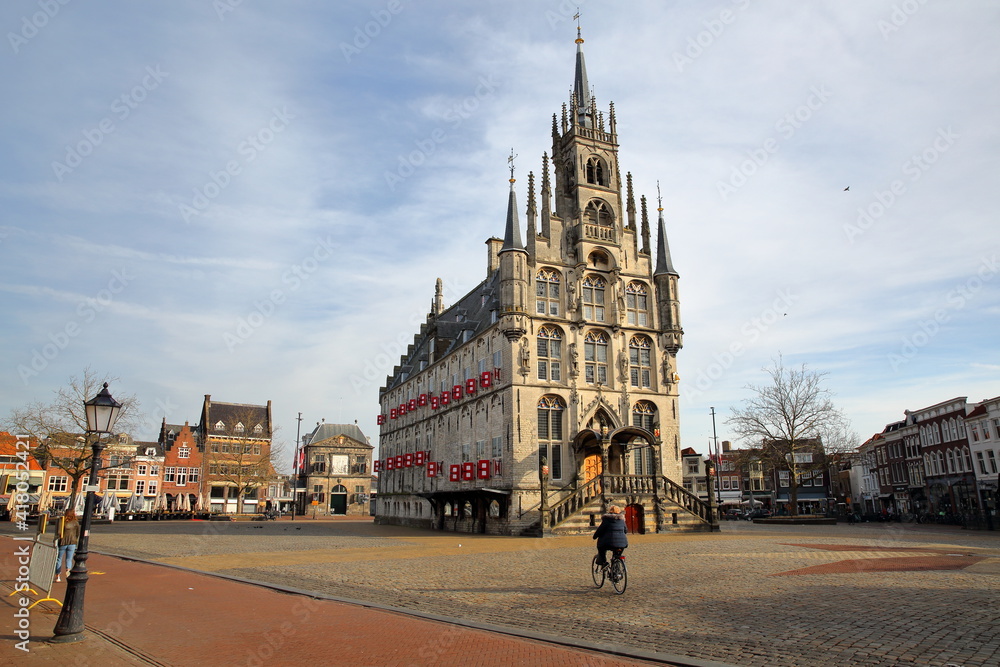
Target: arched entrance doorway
338,499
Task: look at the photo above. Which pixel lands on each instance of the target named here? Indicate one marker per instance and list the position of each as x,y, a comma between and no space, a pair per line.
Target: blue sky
253,200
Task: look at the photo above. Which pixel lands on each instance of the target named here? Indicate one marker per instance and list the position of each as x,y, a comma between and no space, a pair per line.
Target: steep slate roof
445,333
327,431
231,413
141,447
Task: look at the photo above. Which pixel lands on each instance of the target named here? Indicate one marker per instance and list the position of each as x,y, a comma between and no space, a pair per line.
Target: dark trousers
602,554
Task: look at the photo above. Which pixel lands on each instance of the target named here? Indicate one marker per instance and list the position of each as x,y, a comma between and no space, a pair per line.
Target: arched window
593,298
637,304
595,171
968,459
951,461
549,354
550,433
640,367
595,355
547,292
643,415
599,213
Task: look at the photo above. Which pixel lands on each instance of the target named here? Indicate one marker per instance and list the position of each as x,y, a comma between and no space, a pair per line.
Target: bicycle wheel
619,575
597,572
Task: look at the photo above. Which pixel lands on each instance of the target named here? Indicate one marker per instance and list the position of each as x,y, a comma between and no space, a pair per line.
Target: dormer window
258,429
220,426
122,439
239,427
150,451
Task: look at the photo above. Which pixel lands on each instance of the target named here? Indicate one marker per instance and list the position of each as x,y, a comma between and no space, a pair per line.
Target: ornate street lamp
102,413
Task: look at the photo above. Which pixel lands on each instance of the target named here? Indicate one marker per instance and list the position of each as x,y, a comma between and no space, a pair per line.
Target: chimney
493,246
727,446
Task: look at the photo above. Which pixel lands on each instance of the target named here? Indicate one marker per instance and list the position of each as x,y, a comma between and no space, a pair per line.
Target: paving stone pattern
708,596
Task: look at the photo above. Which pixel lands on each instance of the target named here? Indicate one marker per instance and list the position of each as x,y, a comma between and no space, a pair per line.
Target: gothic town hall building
549,391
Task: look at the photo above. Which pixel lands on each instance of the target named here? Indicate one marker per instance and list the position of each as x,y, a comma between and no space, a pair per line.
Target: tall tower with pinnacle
553,383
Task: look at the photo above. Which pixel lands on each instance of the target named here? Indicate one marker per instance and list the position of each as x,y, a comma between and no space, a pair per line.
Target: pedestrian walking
69,535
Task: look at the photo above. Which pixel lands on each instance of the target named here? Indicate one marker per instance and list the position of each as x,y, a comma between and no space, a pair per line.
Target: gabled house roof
326,431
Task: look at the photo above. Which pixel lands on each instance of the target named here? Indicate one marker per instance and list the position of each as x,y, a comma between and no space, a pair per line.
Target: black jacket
611,534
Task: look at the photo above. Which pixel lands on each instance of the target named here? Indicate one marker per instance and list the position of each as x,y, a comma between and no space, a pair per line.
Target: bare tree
790,424
59,427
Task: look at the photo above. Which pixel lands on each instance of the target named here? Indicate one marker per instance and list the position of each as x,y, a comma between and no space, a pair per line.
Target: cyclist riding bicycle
611,534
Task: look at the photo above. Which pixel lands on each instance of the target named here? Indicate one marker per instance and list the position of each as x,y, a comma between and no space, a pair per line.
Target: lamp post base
68,639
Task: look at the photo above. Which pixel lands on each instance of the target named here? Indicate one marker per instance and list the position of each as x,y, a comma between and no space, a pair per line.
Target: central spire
581,88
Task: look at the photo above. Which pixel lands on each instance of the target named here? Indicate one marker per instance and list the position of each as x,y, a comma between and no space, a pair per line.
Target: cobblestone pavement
752,595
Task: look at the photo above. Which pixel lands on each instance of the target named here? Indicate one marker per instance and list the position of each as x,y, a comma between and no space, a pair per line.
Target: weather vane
510,161
659,198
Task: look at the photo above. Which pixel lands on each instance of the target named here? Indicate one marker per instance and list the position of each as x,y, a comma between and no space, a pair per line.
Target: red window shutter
380,420
468,471
455,473
393,413
412,405
390,463
485,379
483,469
432,468
402,409
422,400
497,374
470,386
399,461
376,466
445,398
435,402
408,460
497,467
418,458
456,392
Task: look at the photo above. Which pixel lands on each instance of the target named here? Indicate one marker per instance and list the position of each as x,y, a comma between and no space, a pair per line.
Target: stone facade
337,463
558,367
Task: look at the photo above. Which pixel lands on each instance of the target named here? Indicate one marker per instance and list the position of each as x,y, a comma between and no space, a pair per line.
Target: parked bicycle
614,570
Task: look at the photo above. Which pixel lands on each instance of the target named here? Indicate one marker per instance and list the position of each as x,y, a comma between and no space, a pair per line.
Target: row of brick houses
222,464
941,461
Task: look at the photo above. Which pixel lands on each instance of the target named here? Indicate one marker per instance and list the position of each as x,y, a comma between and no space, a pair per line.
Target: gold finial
510,161
579,39
659,199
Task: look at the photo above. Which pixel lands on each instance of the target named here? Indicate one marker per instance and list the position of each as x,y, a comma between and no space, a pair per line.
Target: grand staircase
667,506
